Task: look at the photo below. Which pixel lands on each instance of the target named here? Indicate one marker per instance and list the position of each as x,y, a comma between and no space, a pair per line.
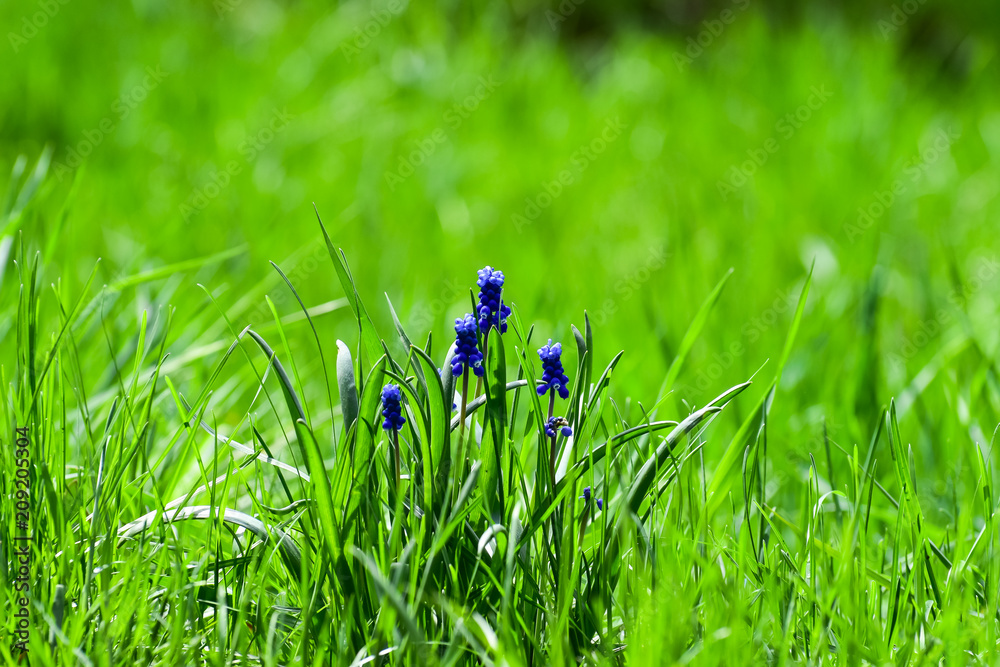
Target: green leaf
424,433
310,449
448,381
368,334
604,381
389,592
616,440
287,389
348,387
495,431
367,426
437,450
405,340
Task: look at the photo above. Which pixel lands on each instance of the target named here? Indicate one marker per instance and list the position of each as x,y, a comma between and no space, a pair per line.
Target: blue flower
492,310
392,408
558,423
553,376
586,498
466,347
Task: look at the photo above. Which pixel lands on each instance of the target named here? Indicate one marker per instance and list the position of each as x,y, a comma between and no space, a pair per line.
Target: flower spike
467,347
392,408
492,310
587,496
553,376
560,424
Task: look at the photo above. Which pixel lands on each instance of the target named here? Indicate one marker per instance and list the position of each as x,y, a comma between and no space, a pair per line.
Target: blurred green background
617,158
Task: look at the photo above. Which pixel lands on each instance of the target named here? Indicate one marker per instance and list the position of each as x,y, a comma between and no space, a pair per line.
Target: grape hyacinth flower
467,355
553,376
586,498
467,347
492,310
392,408
585,518
558,423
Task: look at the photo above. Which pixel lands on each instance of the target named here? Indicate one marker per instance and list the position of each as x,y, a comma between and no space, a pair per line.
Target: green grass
840,508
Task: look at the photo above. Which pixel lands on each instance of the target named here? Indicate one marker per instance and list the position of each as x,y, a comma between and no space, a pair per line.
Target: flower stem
552,449
460,463
395,449
479,381
584,520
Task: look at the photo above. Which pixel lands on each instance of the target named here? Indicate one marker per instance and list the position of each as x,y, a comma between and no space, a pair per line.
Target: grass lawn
237,428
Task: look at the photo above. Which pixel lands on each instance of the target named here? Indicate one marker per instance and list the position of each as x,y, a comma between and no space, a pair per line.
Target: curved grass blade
289,551
249,451
657,463
367,417
311,452
319,346
694,330
481,401
368,334
603,382
405,340
291,398
615,440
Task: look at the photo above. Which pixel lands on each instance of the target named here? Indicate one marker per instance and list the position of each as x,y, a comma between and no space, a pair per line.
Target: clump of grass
435,538
176,521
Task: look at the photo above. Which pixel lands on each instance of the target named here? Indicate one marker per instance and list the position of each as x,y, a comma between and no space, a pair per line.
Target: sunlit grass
209,479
